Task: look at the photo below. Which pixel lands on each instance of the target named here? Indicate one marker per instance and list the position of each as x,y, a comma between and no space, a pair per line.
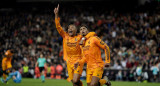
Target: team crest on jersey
75,39
88,42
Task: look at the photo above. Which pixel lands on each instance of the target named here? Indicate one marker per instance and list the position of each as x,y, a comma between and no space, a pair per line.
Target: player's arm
64,52
82,61
90,34
36,64
57,22
45,63
104,46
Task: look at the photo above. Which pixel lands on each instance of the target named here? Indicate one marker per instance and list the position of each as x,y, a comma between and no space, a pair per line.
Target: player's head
41,55
84,30
72,30
8,53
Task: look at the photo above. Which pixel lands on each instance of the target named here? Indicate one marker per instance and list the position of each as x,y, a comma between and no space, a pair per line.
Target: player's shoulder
95,38
4,58
78,35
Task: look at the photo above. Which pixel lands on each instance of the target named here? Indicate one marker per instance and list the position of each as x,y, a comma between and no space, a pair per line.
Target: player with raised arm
92,56
71,49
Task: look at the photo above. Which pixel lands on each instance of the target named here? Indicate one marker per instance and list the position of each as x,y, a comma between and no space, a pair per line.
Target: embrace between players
80,49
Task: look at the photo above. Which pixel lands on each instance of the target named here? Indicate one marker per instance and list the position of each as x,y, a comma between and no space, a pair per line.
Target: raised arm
104,46
57,22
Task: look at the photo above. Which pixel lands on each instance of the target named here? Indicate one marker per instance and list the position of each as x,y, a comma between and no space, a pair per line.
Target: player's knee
76,81
93,84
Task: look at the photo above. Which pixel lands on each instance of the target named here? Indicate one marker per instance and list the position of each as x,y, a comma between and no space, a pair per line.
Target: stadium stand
133,35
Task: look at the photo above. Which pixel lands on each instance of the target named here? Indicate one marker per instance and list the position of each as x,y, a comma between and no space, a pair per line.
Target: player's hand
76,65
106,64
56,10
82,41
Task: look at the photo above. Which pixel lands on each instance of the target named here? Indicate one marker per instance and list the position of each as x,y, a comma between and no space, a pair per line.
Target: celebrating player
92,56
71,49
15,75
6,63
41,62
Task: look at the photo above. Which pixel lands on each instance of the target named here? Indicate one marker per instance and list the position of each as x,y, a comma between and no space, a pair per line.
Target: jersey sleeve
38,60
90,34
59,27
64,51
104,46
45,60
82,61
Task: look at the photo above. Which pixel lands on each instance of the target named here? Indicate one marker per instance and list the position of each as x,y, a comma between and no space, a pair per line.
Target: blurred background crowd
133,35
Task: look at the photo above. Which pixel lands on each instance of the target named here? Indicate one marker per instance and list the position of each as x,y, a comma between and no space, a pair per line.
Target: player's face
83,31
72,30
41,56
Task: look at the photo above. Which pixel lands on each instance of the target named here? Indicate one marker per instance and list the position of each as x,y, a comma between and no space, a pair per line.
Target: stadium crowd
133,37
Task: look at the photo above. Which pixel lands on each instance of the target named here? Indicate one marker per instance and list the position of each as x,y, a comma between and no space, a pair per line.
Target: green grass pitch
54,82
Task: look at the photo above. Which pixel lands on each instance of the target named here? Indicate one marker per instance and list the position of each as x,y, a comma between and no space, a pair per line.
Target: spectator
155,71
132,36
139,72
59,69
25,70
52,71
37,72
119,75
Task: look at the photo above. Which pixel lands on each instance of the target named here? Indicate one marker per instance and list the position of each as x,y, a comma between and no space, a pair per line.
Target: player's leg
43,76
4,76
6,70
76,80
89,76
105,81
95,81
77,75
42,73
9,77
70,73
4,73
97,75
3,80
16,80
88,84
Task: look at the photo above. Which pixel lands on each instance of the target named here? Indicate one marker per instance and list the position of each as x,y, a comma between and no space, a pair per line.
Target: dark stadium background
14,16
